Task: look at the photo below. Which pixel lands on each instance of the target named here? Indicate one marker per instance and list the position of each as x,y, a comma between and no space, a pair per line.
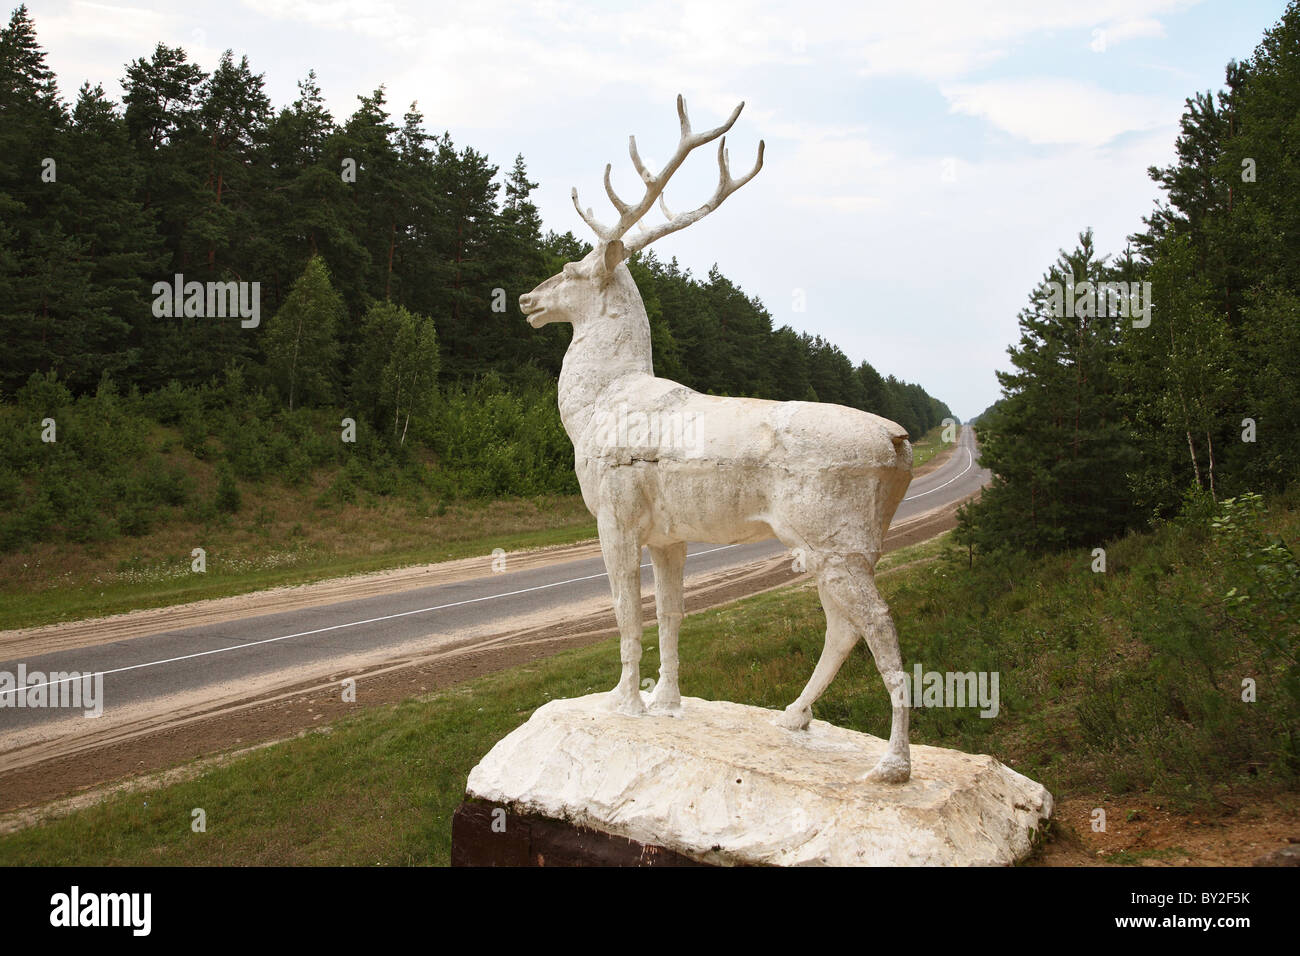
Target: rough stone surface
722,783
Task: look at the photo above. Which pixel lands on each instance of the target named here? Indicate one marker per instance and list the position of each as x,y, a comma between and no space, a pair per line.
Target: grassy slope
283,534
56,583
380,788
119,534
929,445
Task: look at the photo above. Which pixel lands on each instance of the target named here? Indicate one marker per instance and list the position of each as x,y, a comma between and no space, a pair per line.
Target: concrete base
720,783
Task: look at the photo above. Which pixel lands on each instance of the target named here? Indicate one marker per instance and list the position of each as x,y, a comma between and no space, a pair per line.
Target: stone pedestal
721,784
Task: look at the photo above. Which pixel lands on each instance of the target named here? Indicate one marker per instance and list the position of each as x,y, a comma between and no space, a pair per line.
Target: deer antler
630,215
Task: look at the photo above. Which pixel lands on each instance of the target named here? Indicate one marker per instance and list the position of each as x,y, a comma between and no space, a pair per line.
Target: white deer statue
823,479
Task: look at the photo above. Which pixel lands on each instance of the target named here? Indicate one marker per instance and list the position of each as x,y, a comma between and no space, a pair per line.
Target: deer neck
606,350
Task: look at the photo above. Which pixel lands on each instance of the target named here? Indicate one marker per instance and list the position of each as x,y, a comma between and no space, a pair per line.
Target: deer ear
614,254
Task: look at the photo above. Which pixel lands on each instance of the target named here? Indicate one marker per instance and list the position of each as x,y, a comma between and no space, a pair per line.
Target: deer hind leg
840,640
622,552
669,564
847,587
882,637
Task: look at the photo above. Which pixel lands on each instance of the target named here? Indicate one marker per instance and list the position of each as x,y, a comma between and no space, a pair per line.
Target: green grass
1172,854
50,585
930,444
105,519
1107,686
282,536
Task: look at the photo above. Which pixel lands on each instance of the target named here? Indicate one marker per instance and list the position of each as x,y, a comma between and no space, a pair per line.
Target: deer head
582,288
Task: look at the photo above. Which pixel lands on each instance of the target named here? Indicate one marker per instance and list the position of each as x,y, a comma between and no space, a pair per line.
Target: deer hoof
625,703
794,718
891,769
665,702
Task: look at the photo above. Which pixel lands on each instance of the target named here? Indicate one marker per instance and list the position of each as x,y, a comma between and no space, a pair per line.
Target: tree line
388,259
1181,391
1114,416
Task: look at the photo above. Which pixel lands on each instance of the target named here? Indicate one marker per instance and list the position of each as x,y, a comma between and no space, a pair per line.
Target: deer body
660,465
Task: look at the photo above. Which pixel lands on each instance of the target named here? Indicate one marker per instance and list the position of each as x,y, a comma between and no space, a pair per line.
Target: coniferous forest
388,259
1110,421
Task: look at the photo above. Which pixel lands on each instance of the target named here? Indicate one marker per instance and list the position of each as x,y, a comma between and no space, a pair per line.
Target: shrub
173,403
135,519
85,522
194,434
44,395
163,484
11,488
228,498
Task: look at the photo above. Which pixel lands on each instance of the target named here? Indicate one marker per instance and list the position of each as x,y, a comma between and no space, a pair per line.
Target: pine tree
117,245
467,183
307,208
1057,445
40,281
521,264
788,365
161,115
368,139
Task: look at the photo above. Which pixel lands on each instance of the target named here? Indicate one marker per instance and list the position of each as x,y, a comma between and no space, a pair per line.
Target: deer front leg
622,552
669,564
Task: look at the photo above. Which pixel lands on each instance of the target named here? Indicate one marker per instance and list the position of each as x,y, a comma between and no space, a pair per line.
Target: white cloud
1133,29
1052,110
372,18
103,22
939,40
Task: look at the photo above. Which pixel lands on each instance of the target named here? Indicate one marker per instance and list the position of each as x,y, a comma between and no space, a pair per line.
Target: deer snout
530,304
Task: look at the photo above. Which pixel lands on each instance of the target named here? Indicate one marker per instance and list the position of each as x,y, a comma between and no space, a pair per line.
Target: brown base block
488,834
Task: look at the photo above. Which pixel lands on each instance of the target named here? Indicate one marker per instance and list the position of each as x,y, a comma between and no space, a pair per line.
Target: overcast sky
925,160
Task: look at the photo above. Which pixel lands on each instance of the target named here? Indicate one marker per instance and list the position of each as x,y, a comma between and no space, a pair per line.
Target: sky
925,160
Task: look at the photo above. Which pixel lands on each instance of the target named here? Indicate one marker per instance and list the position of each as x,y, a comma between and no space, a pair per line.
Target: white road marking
336,627
389,617
970,462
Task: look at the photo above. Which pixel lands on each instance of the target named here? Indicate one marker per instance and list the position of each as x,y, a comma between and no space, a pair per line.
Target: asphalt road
144,668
